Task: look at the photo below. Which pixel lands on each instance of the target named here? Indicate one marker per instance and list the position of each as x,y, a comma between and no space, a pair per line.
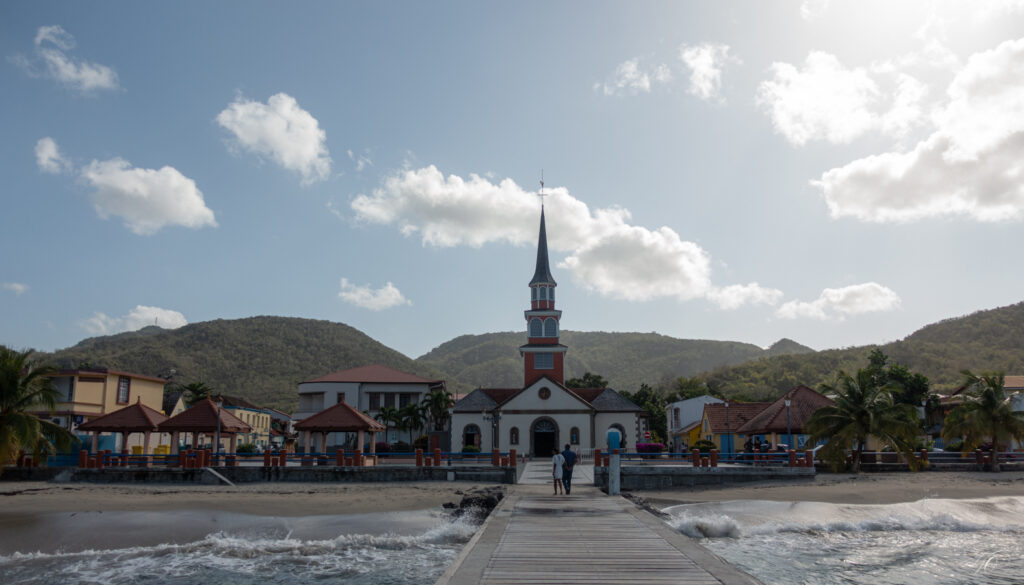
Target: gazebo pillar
234,443
373,442
195,439
323,442
175,441
95,441
307,446
359,440
145,443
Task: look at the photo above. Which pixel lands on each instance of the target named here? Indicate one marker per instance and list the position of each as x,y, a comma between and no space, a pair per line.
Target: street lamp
789,428
494,418
216,450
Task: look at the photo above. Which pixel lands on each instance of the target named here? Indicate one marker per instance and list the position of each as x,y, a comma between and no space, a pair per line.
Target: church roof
803,403
611,401
542,275
485,399
135,418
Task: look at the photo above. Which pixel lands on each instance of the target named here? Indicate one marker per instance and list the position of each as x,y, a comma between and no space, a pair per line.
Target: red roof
739,413
803,403
135,418
340,417
374,374
587,394
202,418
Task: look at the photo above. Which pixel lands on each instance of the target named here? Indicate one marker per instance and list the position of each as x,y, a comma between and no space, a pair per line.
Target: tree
863,408
26,386
387,415
410,418
653,403
587,381
686,388
195,392
436,405
986,411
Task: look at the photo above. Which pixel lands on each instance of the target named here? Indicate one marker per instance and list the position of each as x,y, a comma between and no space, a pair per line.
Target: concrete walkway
586,538
539,473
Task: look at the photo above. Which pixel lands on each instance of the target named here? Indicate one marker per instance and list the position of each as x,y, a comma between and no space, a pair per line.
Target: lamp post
216,449
494,418
727,429
789,428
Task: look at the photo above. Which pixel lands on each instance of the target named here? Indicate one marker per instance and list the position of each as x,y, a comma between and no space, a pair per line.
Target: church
543,414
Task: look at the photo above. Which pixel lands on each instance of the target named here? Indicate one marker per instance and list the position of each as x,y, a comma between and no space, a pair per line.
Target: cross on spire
541,193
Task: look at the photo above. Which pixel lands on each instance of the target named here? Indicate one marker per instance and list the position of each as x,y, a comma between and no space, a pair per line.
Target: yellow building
253,415
86,394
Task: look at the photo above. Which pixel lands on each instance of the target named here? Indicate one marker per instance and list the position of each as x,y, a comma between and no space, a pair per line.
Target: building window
550,328
574,436
543,293
403,400
374,400
675,418
471,436
124,385
544,361
536,328
533,294
513,436
551,294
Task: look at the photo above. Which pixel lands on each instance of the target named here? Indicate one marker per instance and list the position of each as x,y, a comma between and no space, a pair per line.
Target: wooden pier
586,538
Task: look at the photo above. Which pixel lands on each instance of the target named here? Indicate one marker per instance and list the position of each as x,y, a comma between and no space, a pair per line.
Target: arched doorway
544,437
471,436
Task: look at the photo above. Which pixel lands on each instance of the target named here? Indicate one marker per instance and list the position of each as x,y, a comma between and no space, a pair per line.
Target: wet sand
40,516
864,488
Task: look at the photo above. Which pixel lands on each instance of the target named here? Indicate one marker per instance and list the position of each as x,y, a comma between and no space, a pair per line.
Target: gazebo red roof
202,418
135,418
803,403
340,417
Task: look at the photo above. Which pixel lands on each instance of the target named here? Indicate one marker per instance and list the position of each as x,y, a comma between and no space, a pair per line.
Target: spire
543,273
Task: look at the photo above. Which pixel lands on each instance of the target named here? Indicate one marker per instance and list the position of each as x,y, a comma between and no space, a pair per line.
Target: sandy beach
864,488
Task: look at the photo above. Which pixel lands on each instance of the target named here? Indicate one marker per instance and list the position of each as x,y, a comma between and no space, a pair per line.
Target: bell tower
543,354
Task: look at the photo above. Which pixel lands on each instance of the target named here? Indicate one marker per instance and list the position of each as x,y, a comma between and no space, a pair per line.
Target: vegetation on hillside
261,359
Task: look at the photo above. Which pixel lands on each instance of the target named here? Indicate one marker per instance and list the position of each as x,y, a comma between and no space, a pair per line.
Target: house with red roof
543,414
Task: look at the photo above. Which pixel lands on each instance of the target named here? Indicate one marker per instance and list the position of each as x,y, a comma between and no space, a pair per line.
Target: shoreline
844,488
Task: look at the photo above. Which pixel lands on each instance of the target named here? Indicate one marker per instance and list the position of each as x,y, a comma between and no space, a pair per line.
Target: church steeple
543,354
542,275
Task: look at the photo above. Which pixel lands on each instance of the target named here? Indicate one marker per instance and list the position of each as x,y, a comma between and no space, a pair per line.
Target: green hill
626,360
991,340
259,358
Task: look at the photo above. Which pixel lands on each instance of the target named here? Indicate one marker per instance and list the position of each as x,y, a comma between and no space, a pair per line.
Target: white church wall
558,399
627,420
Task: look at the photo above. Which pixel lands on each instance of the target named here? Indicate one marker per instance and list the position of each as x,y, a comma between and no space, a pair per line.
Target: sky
836,173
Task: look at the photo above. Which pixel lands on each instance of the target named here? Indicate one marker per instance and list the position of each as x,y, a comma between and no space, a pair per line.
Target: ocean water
373,549
927,542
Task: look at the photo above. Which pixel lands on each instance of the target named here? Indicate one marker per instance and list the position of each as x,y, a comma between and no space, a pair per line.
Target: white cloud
139,317
362,161
282,131
631,78
822,101
971,165
51,60
146,199
48,157
837,303
737,295
811,10
16,287
605,252
386,297
705,63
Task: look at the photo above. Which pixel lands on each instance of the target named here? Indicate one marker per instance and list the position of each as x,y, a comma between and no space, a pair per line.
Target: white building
683,416
543,414
367,388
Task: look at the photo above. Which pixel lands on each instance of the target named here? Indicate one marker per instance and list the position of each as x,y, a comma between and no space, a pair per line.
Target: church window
533,294
550,328
513,436
544,361
543,293
551,294
574,436
536,328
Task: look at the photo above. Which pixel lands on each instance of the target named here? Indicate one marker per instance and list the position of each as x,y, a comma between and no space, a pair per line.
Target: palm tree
387,415
410,418
195,392
436,405
863,408
26,386
986,411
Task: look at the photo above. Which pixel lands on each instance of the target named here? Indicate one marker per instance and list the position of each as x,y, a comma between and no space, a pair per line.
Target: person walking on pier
557,461
570,462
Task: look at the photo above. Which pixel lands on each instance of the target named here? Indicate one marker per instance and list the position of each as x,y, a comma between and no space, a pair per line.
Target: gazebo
135,418
202,419
339,418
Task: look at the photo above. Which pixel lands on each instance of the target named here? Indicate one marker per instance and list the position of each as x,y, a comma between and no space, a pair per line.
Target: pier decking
588,537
